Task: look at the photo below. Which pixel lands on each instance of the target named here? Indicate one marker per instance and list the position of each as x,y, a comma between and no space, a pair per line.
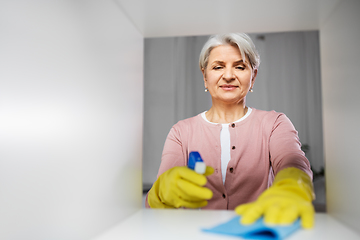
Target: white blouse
225,142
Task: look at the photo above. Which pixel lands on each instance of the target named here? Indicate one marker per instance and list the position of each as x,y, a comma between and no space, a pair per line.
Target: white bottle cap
200,167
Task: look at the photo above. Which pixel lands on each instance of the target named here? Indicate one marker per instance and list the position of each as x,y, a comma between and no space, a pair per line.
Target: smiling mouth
228,87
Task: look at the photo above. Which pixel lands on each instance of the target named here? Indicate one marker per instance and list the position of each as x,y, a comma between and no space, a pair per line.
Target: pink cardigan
261,145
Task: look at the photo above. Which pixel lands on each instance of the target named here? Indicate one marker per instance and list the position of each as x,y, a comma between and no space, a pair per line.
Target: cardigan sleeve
173,154
285,147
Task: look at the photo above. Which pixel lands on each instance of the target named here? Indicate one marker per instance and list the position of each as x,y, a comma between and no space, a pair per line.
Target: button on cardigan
263,144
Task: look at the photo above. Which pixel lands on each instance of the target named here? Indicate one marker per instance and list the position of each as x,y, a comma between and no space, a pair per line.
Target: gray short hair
241,40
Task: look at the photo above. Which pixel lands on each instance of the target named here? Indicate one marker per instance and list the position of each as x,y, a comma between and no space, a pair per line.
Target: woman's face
227,76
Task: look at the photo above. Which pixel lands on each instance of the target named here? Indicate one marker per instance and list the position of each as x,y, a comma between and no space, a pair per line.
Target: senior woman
255,163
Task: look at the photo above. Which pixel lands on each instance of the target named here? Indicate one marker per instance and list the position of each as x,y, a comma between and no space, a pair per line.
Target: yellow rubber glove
288,198
180,187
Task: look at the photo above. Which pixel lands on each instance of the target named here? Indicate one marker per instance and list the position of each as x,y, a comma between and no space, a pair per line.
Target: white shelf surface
151,224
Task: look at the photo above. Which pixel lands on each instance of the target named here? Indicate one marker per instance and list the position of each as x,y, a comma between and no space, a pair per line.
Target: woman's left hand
288,199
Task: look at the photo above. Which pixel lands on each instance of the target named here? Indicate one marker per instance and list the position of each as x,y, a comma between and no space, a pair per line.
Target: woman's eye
217,67
240,67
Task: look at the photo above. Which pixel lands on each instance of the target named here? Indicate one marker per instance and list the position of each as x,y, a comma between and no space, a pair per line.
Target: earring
206,90
251,90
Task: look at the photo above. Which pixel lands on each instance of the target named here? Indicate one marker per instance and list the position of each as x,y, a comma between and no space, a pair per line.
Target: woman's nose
228,74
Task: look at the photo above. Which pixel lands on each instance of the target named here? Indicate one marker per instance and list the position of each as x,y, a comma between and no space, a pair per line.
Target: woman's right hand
180,187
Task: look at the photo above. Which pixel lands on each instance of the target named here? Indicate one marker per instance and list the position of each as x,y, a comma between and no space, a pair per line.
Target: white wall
71,110
159,18
340,57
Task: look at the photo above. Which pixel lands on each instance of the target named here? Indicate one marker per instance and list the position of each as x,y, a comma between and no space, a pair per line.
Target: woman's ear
204,76
253,77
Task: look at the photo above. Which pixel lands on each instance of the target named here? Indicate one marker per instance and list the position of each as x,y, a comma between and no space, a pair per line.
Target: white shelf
187,224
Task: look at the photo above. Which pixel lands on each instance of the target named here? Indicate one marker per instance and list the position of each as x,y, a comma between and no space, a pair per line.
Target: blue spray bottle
196,163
